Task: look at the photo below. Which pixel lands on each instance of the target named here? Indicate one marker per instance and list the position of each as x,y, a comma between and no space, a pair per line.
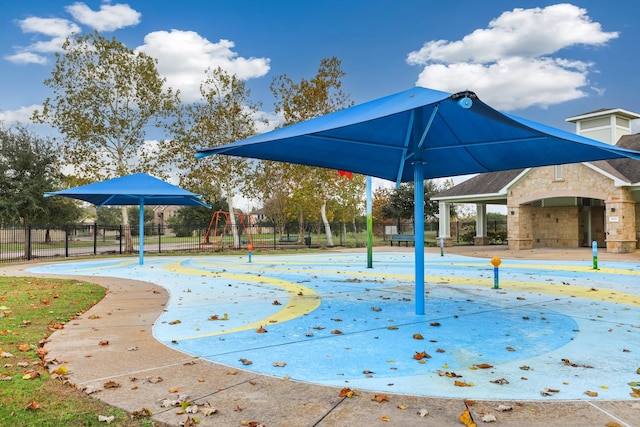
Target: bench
406,238
289,239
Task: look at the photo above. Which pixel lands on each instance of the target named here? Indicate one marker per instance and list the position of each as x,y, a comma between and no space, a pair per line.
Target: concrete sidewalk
150,372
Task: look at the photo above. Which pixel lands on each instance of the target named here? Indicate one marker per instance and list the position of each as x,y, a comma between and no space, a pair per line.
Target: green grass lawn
30,310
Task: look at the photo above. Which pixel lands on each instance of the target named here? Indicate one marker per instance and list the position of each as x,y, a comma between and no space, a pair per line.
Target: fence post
28,237
274,236
95,238
120,239
66,240
159,239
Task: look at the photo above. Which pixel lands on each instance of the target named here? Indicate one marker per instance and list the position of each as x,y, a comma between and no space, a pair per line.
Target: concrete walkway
553,331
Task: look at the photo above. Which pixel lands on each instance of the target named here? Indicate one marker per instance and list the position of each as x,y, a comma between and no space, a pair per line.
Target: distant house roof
600,112
492,186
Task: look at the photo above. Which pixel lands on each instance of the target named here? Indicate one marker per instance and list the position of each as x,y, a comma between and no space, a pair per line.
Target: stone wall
555,227
559,227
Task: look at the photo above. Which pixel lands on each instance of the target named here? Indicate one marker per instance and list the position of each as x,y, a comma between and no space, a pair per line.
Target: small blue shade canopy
134,190
421,134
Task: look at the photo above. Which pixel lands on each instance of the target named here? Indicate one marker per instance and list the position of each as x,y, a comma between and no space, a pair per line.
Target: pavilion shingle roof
486,183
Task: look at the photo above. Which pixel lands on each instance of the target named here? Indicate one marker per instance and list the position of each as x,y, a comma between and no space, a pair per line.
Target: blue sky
541,60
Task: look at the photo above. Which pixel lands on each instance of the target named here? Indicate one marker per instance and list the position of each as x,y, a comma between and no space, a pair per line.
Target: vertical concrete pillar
444,226
481,238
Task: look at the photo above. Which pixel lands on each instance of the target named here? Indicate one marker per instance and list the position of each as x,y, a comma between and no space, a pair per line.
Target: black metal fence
76,240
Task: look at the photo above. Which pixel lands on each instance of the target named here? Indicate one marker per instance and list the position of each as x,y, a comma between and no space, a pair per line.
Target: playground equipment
248,232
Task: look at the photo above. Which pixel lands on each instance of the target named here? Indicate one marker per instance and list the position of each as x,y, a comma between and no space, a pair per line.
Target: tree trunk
126,230
232,221
325,221
355,230
300,226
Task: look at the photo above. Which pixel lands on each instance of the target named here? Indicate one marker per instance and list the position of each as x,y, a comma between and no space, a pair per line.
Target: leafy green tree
302,101
109,216
134,218
400,204
225,115
105,98
28,169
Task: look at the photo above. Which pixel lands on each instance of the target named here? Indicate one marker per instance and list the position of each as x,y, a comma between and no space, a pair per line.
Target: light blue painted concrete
509,328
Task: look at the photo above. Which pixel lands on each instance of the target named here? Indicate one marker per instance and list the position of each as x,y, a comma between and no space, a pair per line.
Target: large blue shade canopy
442,134
421,134
129,190
137,189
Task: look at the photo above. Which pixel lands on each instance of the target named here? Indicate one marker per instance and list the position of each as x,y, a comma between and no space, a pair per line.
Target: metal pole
141,232
418,209
369,224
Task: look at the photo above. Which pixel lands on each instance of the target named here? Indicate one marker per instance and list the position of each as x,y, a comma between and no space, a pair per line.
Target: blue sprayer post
496,263
594,245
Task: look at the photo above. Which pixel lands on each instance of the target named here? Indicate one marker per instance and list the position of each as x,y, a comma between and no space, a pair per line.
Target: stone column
481,238
620,222
519,227
444,225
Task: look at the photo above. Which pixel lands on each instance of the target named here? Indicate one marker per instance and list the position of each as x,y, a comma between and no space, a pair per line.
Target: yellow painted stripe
302,300
516,285
104,267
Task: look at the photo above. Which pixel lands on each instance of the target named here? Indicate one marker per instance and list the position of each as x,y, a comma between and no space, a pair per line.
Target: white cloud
510,63
55,29
26,58
183,57
21,115
108,18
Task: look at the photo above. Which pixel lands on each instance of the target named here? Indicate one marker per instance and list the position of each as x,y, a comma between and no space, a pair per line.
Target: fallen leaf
346,392
34,405
418,337
279,364
504,408
489,418
154,380
336,332
423,412
29,375
591,393
466,419
175,389
209,411
276,302
62,370
483,366
462,384
421,355
385,419
402,407
24,347
381,398
175,322
111,384
434,324
245,361
104,342
261,330
501,381
612,424
105,419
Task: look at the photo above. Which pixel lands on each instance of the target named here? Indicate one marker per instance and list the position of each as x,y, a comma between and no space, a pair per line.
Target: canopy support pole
141,231
369,224
418,220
